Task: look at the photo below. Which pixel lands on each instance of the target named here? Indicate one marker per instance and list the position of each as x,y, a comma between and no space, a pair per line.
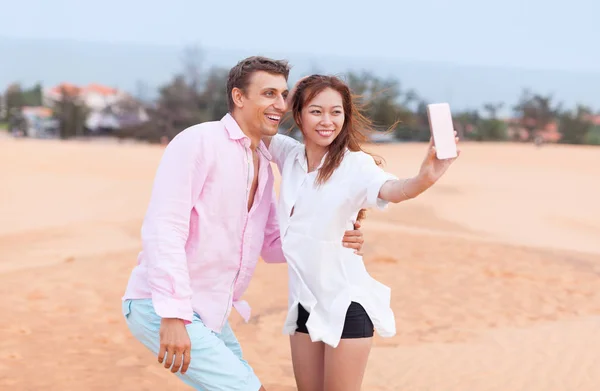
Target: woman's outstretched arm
432,169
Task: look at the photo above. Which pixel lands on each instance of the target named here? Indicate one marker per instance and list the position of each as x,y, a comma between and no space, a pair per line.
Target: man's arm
279,147
271,250
178,181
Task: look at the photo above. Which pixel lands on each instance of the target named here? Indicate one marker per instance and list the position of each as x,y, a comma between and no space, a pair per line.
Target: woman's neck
314,155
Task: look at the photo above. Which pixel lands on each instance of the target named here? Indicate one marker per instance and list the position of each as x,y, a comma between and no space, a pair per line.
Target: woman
327,182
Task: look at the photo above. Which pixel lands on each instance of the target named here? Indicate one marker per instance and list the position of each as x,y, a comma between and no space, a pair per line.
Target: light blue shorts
216,362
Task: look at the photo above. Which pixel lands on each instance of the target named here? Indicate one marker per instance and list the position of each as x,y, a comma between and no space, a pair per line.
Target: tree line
196,95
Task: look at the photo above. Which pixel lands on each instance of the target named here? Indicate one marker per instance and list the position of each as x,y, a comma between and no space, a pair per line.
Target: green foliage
71,115
575,126
196,95
33,96
387,104
535,112
490,130
593,136
13,101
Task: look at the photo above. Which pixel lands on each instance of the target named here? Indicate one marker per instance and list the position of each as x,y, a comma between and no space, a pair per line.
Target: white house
109,108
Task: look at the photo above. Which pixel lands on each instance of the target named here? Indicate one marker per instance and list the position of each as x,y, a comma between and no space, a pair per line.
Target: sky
533,34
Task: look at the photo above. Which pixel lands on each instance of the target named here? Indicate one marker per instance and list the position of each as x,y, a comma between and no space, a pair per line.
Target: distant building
108,108
516,131
382,137
549,134
38,122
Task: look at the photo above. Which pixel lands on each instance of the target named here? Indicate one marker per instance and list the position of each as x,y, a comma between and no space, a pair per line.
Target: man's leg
230,340
213,367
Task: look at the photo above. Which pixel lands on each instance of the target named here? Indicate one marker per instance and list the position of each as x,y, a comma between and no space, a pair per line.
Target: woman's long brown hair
355,130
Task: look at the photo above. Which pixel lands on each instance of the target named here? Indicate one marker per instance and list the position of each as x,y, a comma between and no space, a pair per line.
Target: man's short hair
239,75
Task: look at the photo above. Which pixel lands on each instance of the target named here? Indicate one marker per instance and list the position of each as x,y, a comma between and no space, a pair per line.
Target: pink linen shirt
200,245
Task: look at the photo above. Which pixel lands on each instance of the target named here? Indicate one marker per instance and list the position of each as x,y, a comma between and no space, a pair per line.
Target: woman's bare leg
345,365
307,360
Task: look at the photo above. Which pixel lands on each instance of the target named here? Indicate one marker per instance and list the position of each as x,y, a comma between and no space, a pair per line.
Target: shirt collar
235,133
301,159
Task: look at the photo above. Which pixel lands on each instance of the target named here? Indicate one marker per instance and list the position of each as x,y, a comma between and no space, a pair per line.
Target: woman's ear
298,119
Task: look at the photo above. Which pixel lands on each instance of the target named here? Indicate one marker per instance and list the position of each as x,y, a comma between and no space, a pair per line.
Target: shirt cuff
373,199
274,254
243,308
174,308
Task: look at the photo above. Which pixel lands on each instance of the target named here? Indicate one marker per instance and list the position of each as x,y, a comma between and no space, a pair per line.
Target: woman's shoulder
358,158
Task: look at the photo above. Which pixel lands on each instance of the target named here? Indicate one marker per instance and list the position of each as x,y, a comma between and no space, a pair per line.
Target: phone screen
442,130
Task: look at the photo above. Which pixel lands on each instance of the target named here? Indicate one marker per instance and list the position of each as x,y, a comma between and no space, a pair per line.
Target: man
211,215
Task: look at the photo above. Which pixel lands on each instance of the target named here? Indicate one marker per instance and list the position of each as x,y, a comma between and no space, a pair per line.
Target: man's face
264,103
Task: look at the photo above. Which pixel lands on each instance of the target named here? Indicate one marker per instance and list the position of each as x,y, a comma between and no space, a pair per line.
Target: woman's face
323,118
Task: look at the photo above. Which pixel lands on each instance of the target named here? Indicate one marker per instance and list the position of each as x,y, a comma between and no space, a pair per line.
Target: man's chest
251,191
236,181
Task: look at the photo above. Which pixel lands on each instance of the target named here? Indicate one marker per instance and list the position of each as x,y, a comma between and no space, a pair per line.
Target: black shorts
357,323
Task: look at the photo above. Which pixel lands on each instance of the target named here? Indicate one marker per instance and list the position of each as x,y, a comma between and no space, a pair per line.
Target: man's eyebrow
275,89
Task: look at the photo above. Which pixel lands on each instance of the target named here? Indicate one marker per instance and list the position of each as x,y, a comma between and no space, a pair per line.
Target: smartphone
442,130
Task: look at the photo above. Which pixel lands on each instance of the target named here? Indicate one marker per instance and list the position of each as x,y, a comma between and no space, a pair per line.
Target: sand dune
495,273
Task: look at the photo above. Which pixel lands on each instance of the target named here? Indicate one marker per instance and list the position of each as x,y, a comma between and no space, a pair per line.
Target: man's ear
238,97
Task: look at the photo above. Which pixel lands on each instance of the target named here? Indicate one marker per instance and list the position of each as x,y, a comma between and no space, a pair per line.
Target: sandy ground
495,273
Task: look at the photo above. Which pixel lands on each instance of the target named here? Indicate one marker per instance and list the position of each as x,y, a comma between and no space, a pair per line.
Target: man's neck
253,136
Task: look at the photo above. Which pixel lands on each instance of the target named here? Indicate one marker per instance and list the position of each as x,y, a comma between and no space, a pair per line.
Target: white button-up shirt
324,276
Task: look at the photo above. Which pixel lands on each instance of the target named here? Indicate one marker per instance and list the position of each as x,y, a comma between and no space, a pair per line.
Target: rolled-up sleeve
369,178
177,184
271,249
